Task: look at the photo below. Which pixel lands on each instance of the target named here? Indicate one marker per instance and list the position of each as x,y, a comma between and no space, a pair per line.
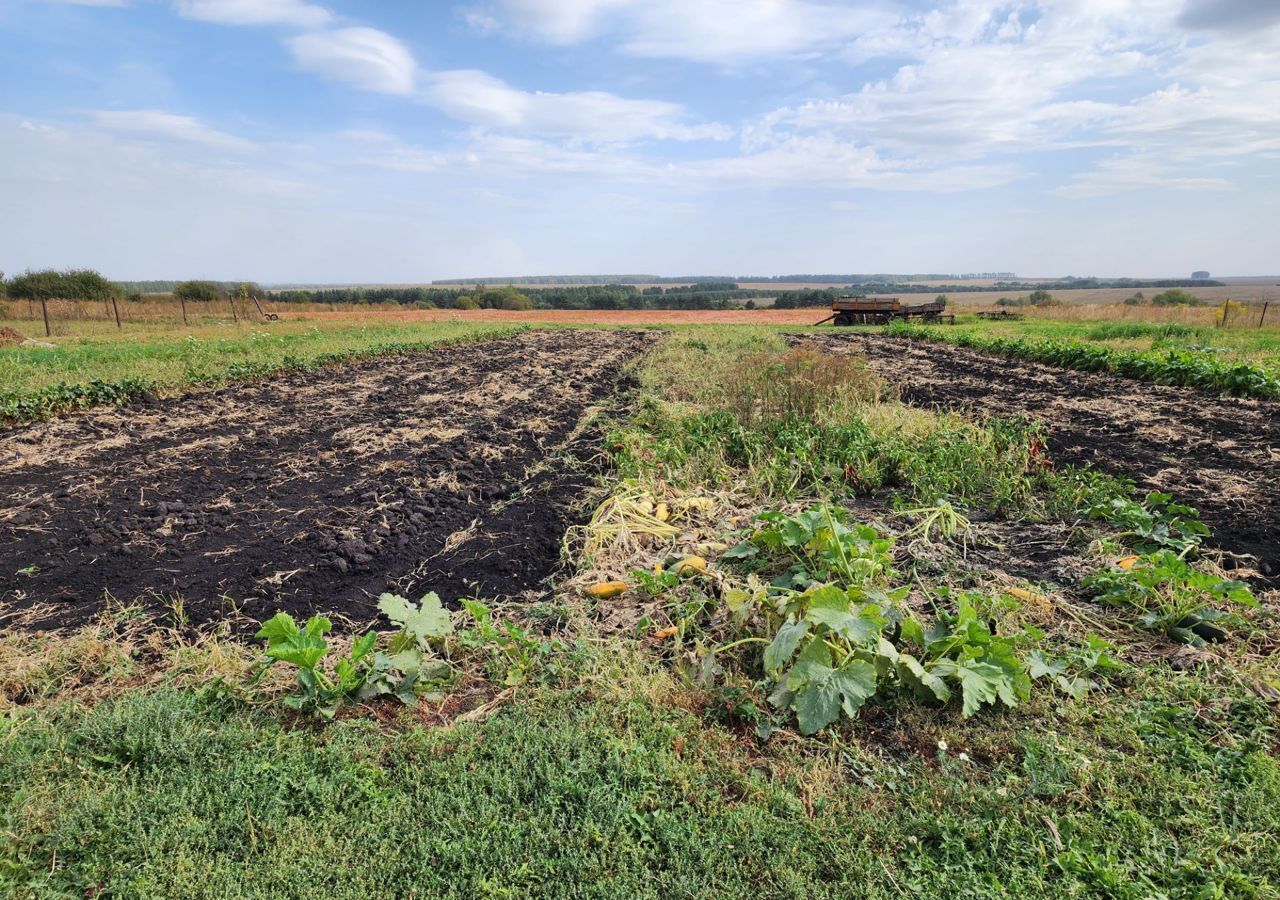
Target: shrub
199,292
515,301
1177,297
1228,311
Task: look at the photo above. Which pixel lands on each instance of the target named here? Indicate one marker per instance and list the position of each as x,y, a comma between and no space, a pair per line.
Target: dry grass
799,384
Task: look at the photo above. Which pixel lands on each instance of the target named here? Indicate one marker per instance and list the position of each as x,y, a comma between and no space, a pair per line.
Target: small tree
197,292
504,298
1041,298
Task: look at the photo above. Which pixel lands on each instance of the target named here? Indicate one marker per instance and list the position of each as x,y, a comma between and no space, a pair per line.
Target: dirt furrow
312,491
1221,455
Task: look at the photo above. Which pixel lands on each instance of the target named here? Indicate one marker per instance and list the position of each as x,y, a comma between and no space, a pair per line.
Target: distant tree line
707,295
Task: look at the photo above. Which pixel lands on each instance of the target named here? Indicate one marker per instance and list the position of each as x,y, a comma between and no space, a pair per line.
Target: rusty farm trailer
883,310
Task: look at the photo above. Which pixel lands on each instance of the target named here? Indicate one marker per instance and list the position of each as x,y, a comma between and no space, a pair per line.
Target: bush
1228,311
73,284
466,301
199,292
515,301
1177,297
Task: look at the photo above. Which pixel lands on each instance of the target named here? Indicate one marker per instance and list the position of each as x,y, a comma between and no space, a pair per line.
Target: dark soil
1221,455
455,470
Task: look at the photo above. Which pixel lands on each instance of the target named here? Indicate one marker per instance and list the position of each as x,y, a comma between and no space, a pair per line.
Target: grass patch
86,372
619,785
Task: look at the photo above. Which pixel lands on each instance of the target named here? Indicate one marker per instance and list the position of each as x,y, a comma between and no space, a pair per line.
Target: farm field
718,609
285,493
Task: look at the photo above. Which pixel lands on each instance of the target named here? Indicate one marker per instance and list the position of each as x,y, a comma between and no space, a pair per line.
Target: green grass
1255,346
607,789
87,371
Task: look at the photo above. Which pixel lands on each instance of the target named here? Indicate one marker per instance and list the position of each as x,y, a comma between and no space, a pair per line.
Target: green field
106,366
1257,346
629,747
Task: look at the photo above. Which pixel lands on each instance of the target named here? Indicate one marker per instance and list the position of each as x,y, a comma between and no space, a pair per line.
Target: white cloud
1133,173
481,99
719,31
982,83
365,57
157,125
825,161
255,12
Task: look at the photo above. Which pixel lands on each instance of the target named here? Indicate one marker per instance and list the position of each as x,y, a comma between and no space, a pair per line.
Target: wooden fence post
182,301
44,308
116,307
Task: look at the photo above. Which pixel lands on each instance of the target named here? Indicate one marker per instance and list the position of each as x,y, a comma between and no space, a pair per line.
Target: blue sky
287,140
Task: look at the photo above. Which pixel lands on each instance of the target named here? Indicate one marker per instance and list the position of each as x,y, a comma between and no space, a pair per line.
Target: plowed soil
454,470
1221,455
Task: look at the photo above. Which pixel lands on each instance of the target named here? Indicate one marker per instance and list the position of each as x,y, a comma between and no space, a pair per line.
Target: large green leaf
277,628
980,683
302,650
852,627
827,691
424,622
817,706
923,682
783,646
827,598
855,681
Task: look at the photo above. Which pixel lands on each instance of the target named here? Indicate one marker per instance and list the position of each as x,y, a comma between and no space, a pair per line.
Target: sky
389,141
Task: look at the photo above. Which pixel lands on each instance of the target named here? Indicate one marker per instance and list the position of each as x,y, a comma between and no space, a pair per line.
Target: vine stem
739,643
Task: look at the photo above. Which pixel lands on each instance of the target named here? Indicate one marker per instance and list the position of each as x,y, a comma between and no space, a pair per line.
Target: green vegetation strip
176,365
1186,368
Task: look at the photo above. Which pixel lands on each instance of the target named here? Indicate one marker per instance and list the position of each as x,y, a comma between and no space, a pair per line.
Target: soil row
455,470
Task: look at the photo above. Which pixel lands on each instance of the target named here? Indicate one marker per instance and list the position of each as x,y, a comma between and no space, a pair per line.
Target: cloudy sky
287,140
